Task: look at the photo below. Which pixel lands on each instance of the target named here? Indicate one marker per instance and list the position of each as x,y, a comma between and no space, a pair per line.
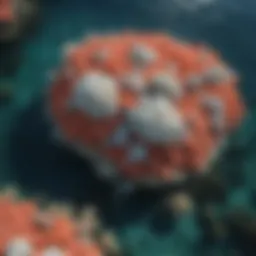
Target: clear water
28,156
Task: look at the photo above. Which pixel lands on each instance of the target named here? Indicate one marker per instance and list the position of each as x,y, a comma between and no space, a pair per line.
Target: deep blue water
29,158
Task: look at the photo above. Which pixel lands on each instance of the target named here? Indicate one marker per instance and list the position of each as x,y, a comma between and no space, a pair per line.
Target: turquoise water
29,157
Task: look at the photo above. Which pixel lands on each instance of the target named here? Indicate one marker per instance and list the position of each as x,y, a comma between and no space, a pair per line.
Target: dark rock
10,58
242,229
253,196
207,188
162,221
214,228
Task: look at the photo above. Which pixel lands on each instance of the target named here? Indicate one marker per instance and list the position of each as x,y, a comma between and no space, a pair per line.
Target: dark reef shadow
44,168
11,55
162,221
11,52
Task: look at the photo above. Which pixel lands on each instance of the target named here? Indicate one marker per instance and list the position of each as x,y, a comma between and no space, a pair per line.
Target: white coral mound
217,75
157,121
19,247
53,251
142,55
96,94
167,84
134,82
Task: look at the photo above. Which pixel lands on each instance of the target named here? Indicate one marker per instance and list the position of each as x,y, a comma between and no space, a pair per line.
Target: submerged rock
213,227
207,188
242,228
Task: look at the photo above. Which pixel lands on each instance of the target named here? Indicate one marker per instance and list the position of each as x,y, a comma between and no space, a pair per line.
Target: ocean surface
30,159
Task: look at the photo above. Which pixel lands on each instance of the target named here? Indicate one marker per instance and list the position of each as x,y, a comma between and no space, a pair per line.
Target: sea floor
30,159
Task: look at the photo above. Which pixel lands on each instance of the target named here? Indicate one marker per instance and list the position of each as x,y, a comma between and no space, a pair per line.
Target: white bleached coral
142,55
166,84
216,110
134,82
157,121
19,247
217,75
96,94
213,104
53,251
194,82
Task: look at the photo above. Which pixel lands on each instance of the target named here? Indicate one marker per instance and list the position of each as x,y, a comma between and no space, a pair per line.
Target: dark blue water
29,157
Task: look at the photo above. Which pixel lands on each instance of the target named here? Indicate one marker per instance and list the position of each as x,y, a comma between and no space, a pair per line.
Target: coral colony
145,107
29,230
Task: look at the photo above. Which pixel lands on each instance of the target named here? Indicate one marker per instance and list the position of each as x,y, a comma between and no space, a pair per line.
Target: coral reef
55,229
146,107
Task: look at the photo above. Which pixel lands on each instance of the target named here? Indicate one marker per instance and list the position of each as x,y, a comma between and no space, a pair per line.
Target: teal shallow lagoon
28,156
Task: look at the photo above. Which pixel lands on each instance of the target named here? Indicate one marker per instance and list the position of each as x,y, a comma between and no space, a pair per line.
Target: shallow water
29,157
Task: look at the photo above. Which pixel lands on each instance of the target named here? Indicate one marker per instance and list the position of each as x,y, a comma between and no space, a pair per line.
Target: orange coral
27,230
154,107
6,10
